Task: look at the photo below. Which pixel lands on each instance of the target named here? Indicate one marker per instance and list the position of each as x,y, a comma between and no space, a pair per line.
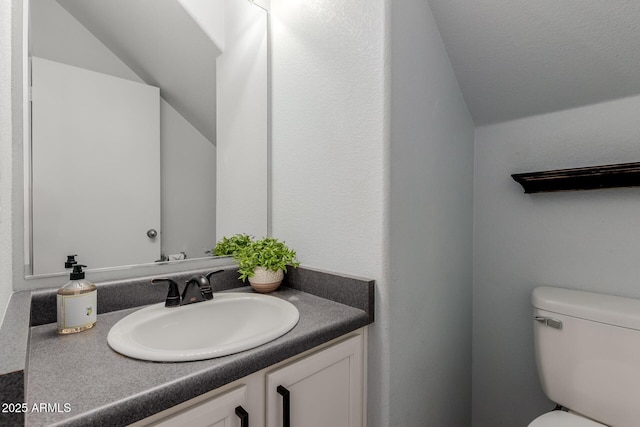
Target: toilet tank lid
609,309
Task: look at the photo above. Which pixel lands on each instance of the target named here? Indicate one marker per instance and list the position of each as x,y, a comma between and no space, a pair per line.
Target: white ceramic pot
265,280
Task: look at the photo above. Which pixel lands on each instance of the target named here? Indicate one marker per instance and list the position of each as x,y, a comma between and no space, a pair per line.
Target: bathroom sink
227,324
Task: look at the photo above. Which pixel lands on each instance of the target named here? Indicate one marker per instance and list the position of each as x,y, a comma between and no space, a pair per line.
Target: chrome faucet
197,289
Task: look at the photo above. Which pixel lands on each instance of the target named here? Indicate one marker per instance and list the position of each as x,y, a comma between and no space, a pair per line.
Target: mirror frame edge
266,6
20,136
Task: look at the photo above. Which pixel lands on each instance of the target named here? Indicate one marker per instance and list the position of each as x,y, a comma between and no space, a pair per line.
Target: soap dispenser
77,303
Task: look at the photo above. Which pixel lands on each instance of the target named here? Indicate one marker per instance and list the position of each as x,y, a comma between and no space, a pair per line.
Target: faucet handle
212,273
208,291
173,296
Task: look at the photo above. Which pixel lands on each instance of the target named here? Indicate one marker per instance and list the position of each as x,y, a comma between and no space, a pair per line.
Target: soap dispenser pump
77,303
70,262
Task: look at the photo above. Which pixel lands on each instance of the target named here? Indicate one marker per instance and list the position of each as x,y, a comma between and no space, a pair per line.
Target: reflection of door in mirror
88,126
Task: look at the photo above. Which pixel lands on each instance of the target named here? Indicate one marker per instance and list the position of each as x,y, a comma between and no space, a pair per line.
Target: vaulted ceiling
517,58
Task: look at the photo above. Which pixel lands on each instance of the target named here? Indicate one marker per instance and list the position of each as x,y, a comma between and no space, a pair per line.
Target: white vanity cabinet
225,410
325,387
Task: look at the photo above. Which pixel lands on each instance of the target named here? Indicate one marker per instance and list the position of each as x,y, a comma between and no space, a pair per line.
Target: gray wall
430,227
583,240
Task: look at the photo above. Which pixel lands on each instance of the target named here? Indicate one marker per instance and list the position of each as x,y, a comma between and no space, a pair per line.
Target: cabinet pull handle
244,416
286,406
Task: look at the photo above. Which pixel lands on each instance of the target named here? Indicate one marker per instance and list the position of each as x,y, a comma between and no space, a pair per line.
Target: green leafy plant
269,253
231,245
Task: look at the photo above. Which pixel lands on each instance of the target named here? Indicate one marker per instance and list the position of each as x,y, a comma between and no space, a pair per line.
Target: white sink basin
230,323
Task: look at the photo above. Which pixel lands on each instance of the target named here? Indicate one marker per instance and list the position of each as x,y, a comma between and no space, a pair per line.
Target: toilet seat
563,419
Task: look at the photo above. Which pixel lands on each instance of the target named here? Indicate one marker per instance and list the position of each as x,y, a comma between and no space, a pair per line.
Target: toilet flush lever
548,321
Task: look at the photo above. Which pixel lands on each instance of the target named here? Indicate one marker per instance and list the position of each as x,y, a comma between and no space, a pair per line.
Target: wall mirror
148,130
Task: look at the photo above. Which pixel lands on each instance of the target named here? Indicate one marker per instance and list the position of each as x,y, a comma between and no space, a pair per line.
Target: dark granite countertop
85,382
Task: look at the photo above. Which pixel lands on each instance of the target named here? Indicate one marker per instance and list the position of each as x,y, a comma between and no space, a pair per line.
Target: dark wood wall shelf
588,178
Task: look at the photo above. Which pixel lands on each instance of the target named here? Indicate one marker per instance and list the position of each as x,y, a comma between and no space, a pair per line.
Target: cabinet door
324,389
225,410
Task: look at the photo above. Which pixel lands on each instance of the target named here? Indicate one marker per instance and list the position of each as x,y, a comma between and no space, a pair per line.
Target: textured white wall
6,158
328,132
432,137
583,240
331,192
329,150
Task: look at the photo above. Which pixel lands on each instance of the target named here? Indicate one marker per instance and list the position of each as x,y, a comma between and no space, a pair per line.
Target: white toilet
588,356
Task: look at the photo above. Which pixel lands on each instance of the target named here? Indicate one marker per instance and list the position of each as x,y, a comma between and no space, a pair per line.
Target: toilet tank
588,353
